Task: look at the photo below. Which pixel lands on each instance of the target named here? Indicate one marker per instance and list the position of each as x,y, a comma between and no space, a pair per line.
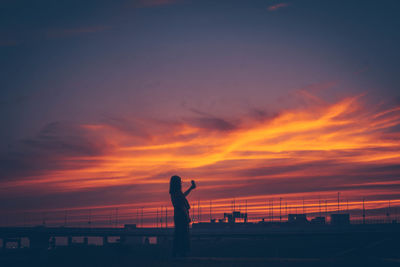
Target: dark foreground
112,258
280,246
281,251
101,257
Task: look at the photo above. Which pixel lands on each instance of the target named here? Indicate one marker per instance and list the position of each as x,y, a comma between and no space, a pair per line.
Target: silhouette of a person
181,245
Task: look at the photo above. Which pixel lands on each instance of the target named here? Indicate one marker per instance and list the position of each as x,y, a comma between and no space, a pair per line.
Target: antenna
269,211
194,211
319,204
198,211
286,208
272,210
326,208
210,210
363,215
137,216
90,217
280,209
161,217
141,218
338,202
116,217
247,217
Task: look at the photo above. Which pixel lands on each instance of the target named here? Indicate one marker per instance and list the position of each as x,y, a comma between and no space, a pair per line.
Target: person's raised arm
193,186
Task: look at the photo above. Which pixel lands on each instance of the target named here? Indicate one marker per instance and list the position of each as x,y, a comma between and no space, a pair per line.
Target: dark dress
181,245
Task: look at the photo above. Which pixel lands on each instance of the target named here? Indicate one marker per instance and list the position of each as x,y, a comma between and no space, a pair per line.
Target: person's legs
186,240
181,244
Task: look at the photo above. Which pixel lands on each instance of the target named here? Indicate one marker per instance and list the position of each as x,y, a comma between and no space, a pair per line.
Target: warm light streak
335,140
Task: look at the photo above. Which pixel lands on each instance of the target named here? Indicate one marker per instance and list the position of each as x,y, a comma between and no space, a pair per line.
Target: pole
287,214
116,217
247,217
326,208
363,215
269,211
280,209
319,205
272,210
210,210
198,211
137,217
161,217
194,212
90,217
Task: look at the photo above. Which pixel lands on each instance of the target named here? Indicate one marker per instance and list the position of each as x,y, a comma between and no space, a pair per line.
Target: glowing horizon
341,146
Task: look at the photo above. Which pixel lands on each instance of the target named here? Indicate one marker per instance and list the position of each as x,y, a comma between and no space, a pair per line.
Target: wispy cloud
310,151
6,43
155,3
277,6
59,33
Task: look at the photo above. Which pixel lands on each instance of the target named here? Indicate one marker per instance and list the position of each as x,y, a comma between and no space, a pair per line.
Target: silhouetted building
297,219
318,220
130,226
340,219
235,215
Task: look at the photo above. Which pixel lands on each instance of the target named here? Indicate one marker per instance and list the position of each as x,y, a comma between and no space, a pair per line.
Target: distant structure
235,215
318,220
340,218
297,219
130,226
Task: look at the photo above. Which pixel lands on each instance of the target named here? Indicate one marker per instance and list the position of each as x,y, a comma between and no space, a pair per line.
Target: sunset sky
255,100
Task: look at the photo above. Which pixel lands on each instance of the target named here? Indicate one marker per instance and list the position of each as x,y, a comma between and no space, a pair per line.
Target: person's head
175,184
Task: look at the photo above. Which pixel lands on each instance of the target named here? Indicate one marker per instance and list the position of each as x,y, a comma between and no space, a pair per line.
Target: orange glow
317,145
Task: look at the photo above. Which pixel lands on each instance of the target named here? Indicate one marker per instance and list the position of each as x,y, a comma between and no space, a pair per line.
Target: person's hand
193,185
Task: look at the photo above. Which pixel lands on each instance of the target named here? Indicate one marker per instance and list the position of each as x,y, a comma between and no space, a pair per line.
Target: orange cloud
306,152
